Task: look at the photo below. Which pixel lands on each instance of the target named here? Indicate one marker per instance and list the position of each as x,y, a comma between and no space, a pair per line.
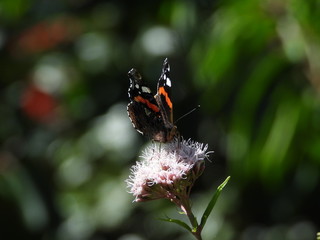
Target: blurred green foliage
67,144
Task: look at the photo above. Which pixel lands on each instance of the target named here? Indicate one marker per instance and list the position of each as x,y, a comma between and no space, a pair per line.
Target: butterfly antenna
186,114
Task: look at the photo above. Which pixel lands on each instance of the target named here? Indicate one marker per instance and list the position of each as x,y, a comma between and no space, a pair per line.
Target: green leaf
213,202
181,223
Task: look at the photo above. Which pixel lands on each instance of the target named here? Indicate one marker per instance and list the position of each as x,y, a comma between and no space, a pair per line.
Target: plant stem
196,229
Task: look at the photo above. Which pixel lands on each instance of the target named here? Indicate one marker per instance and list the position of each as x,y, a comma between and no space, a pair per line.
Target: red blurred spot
46,35
38,104
41,37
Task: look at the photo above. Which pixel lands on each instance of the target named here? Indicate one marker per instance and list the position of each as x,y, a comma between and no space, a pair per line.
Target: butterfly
151,115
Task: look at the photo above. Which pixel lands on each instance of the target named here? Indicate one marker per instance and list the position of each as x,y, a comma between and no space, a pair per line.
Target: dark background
67,144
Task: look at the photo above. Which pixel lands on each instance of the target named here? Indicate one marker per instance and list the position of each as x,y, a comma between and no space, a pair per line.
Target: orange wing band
161,91
150,105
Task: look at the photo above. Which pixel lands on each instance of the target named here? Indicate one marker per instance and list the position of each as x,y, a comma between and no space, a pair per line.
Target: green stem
196,229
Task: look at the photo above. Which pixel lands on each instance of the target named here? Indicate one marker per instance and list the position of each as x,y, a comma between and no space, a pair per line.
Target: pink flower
167,171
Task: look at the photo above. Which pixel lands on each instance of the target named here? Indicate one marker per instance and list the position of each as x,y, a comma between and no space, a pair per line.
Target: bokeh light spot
159,41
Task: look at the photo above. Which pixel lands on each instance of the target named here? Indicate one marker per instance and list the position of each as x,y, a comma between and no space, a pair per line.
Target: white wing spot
137,86
146,89
168,83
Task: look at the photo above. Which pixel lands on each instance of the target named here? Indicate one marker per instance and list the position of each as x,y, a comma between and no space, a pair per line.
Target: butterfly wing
163,96
143,110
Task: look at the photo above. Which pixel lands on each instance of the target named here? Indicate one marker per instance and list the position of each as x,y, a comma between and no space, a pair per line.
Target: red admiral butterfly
152,115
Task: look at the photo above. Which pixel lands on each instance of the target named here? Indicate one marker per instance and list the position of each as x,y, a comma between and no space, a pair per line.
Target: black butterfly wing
143,110
163,96
164,101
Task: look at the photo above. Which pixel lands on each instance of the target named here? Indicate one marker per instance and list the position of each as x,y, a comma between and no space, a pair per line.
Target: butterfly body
152,115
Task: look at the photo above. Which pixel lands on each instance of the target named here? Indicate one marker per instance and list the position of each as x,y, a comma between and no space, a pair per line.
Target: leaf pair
196,231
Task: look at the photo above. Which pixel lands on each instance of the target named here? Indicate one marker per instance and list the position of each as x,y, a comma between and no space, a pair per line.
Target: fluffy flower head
167,170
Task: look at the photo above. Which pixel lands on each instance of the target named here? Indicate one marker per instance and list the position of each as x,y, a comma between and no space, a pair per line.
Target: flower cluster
167,171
